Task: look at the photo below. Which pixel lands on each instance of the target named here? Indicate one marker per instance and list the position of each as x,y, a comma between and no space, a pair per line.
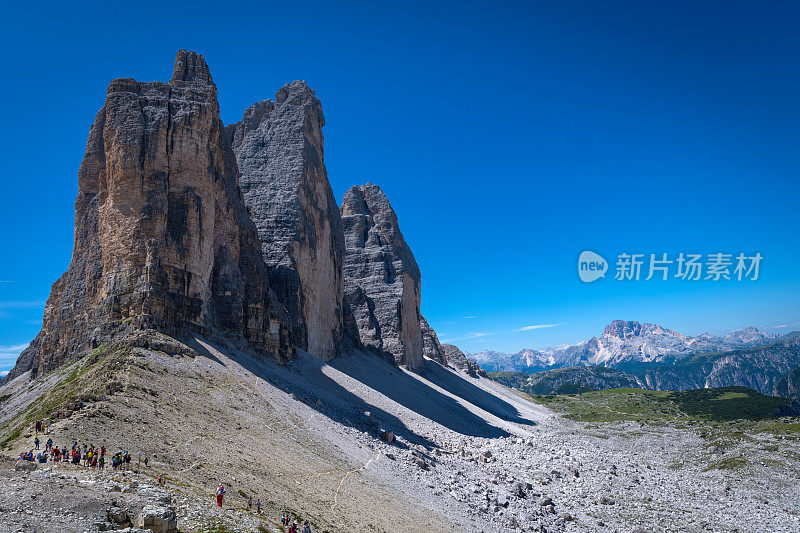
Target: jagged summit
623,341
162,236
190,67
185,226
279,150
382,279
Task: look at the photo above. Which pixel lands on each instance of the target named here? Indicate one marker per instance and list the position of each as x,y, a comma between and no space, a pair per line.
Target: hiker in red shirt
220,494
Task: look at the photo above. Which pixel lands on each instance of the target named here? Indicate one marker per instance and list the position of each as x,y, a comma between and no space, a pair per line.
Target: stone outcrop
457,359
279,149
381,278
431,347
185,226
162,236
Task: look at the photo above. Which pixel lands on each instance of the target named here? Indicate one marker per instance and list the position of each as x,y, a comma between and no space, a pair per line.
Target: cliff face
183,225
381,278
431,347
162,236
279,149
456,358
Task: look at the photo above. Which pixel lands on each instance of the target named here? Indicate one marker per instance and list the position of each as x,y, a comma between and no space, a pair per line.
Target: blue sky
508,137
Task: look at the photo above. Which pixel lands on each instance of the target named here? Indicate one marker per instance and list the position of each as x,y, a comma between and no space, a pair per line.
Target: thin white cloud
9,354
537,326
469,317
6,281
786,325
19,304
4,373
470,335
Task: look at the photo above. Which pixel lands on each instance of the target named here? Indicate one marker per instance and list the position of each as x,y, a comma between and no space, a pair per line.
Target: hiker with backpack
220,494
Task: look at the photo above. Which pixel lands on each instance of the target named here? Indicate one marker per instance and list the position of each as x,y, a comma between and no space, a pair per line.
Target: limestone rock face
456,358
431,348
162,236
279,149
381,278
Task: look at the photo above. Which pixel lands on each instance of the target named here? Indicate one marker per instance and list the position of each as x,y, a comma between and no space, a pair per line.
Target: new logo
591,266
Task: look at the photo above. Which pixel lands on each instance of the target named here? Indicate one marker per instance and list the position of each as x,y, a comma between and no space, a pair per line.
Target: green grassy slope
726,403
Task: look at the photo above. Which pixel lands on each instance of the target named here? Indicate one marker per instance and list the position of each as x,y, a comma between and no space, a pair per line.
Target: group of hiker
293,526
286,521
88,455
95,457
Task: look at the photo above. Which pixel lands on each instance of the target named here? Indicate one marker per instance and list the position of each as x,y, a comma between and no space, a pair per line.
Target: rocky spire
162,236
279,149
381,277
190,67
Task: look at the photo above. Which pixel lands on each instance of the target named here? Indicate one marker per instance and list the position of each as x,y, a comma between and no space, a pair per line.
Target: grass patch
728,403
613,405
79,378
729,463
14,435
730,395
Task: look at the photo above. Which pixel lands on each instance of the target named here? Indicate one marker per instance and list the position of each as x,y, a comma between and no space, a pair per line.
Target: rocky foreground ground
359,445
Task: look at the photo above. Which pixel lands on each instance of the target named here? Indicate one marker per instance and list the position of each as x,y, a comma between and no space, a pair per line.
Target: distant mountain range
773,369
629,354
622,342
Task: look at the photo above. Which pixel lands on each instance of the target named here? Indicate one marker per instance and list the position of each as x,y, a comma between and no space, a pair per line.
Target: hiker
161,481
146,460
48,445
102,450
293,529
250,504
36,441
258,505
220,494
306,527
127,459
101,462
